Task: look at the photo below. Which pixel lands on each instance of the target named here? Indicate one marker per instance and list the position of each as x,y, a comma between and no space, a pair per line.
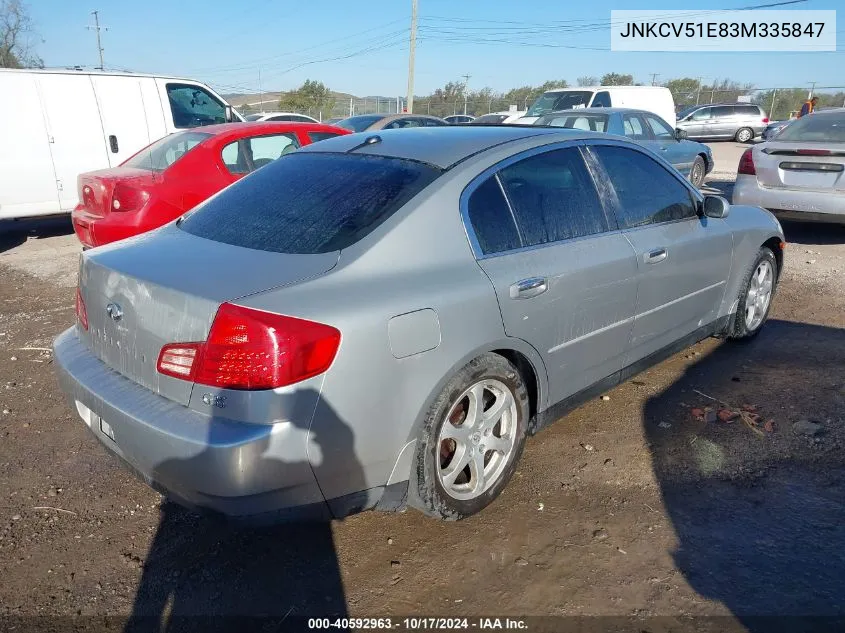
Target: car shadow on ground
15,232
203,573
813,233
759,519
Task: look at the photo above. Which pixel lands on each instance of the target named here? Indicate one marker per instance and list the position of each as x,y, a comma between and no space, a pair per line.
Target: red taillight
252,349
765,119
126,198
81,312
746,164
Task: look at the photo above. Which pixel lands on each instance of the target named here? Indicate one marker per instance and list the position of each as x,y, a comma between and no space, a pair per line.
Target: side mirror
680,134
716,207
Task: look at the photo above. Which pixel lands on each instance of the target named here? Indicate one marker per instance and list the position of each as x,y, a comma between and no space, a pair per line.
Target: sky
362,48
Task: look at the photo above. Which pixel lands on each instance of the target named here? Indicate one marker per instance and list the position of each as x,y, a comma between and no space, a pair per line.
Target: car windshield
686,111
553,101
360,123
592,122
310,202
828,127
253,117
163,153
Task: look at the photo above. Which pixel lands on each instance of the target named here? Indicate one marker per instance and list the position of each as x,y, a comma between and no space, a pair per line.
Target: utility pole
772,109
698,92
411,53
260,91
812,89
654,76
98,28
466,83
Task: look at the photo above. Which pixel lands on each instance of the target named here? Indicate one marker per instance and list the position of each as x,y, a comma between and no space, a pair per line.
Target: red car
176,173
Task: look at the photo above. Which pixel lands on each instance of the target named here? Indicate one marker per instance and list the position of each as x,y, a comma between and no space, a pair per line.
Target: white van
56,124
655,99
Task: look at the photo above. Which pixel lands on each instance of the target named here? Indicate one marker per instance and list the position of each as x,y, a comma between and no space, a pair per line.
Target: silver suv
739,121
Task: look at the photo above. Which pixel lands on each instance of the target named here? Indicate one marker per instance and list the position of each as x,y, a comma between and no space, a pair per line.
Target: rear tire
465,458
744,135
697,172
755,297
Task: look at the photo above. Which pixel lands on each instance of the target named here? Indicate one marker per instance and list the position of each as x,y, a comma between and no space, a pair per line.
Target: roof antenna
370,140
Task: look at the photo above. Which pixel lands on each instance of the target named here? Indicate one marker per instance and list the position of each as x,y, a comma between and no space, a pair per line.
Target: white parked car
493,118
62,123
656,99
282,116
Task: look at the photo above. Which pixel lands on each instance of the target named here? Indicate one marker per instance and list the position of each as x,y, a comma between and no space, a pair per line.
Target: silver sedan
800,174
383,319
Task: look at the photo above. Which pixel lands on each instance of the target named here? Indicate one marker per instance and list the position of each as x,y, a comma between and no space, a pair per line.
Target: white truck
56,124
655,99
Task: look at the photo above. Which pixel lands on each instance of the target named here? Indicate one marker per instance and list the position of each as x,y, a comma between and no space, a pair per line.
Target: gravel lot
627,507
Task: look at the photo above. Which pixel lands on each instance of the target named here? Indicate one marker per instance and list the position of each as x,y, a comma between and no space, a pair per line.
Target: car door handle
657,255
527,288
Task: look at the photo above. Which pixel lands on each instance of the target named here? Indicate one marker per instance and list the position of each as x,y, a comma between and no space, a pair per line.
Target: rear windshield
592,122
820,128
489,118
309,203
163,153
552,101
360,123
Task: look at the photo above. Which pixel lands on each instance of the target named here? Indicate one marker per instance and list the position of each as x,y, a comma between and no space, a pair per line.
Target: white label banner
718,31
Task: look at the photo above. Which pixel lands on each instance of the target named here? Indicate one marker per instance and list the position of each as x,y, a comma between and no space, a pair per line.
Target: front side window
660,128
164,152
248,154
193,106
634,127
403,123
310,203
553,197
601,100
491,219
703,114
647,192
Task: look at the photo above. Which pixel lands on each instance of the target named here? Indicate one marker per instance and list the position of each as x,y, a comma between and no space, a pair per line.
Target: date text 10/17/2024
418,624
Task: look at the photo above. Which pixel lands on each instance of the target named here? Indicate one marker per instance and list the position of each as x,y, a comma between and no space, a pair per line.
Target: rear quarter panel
419,259
751,227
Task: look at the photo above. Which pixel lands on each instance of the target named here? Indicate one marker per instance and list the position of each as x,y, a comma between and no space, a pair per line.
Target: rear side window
164,152
721,112
491,219
647,192
634,127
309,203
749,110
553,197
248,154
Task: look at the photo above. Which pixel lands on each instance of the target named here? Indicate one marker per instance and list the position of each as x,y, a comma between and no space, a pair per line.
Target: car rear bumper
790,204
94,230
201,461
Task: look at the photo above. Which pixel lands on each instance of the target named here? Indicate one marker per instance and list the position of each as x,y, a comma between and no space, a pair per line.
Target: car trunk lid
814,167
166,287
97,188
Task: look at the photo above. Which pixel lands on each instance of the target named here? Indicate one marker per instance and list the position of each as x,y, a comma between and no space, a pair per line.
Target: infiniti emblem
114,311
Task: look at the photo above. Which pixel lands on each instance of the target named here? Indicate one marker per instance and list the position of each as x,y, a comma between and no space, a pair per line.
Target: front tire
697,172
472,438
744,135
755,297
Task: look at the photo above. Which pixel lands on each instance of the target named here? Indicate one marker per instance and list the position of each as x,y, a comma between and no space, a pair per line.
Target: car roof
577,111
442,146
284,113
576,88
252,127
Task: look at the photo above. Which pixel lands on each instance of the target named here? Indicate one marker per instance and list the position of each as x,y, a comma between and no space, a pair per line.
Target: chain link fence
778,103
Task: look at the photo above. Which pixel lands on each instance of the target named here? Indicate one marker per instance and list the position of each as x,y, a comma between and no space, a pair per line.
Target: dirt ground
627,507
